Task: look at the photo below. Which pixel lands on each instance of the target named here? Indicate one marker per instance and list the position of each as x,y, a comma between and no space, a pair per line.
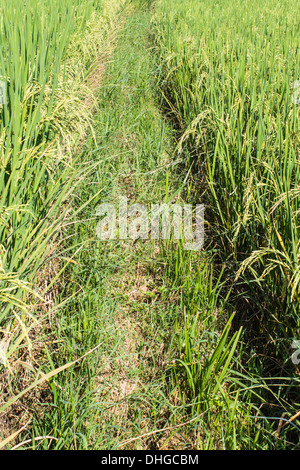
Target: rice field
230,71
229,77
48,51
164,100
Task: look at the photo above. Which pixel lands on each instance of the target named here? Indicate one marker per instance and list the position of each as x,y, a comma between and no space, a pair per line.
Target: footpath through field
135,143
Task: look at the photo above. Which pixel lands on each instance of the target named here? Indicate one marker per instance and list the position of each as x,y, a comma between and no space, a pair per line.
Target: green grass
46,68
164,316
226,78
145,345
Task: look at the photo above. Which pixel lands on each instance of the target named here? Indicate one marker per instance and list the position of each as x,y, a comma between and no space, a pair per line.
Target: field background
144,345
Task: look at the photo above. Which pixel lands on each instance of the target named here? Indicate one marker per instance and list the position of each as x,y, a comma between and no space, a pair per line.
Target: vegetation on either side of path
143,335
166,373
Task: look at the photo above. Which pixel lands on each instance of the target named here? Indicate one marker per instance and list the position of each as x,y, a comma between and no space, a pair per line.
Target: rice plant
229,77
47,52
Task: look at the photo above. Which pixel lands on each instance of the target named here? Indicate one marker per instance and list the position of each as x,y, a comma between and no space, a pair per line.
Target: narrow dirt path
132,130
